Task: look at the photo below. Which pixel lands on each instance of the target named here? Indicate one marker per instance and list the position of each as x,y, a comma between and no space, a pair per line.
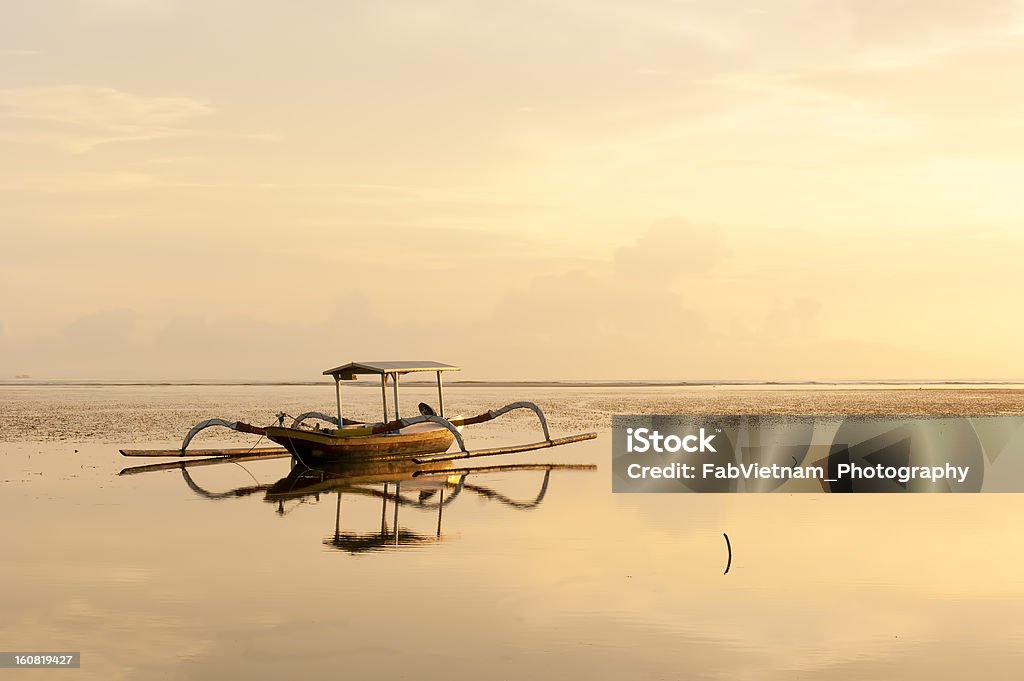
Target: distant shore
726,384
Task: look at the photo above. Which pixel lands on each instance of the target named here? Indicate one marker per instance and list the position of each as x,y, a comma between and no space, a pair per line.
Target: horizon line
27,381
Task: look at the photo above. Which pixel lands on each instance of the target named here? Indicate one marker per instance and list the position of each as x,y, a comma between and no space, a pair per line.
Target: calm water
152,580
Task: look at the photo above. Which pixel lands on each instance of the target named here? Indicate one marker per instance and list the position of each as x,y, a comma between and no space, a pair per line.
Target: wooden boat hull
316,446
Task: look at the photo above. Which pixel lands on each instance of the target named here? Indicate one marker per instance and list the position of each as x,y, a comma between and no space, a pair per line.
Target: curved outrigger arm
312,415
495,413
242,427
402,423
209,423
455,424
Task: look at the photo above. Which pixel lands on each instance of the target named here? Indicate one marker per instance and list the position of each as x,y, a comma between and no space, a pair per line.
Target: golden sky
792,189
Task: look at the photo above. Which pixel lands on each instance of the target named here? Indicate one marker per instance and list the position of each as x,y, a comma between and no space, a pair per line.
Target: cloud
963,104
977,82
795,319
671,249
555,319
161,6
603,320
78,118
574,326
57,183
108,334
907,20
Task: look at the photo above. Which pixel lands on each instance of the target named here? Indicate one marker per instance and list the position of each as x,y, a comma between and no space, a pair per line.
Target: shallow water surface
156,576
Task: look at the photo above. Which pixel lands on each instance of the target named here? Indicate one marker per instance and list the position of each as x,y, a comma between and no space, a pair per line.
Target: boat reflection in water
415,489
399,485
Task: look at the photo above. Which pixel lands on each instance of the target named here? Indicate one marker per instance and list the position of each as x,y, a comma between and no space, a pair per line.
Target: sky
665,190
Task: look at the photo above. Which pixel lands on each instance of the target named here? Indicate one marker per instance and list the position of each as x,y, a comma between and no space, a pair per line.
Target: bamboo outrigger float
421,439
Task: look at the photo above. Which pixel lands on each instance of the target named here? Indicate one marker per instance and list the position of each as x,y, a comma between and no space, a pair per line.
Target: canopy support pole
440,397
394,377
337,392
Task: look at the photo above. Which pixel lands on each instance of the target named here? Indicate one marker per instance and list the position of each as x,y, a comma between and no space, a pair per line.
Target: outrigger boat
421,439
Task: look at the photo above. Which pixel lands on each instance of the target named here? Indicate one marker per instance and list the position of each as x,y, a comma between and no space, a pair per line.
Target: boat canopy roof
348,372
